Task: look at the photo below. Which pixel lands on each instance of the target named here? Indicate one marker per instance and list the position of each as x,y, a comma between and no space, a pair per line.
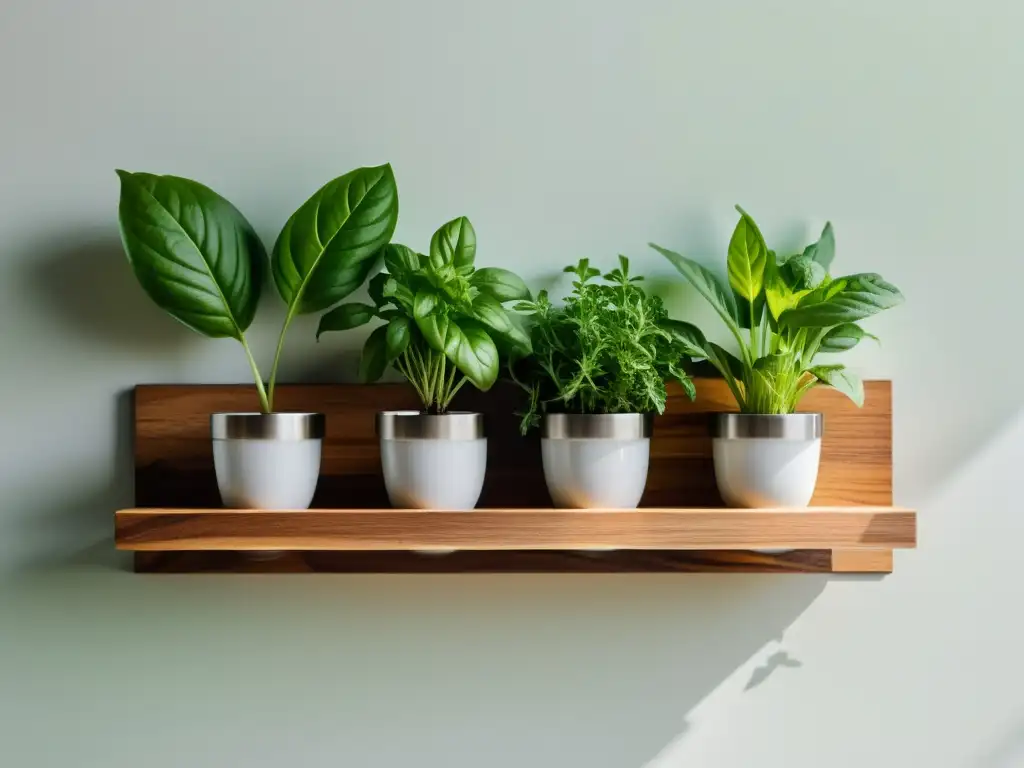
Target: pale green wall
563,129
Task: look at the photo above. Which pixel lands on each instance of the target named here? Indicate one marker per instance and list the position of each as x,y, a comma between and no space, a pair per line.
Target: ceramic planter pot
267,460
432,462
767,461
596,461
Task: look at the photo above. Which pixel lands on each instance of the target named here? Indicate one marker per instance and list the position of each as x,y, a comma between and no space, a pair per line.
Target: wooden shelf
823,539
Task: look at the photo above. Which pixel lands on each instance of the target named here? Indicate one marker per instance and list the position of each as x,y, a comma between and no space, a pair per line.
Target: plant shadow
85,281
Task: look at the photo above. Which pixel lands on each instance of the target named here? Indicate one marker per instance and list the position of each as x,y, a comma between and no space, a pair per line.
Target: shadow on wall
85,282
380,670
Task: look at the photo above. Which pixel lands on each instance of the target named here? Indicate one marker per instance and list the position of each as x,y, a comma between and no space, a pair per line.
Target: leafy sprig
607,350
445,319
792,309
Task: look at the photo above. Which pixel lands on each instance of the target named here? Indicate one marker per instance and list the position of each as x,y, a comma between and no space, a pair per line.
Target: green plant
607,350
199,259
445,319
791,310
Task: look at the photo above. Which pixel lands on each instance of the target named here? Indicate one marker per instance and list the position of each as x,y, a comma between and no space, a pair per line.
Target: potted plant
595,379
783,313
199,259
445,325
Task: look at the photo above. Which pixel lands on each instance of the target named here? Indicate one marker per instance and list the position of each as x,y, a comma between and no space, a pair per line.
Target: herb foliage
607,350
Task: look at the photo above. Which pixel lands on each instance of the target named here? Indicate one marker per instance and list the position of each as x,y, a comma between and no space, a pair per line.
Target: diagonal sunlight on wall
897,633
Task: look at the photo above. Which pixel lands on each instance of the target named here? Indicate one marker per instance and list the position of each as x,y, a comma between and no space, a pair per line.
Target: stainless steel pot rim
416,425
788,426
267,426
597,426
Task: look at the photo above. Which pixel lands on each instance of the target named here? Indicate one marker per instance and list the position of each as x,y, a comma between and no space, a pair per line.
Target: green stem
277,356
753,331
265,403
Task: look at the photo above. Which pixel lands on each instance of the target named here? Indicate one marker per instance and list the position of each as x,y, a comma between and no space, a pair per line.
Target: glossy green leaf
500,284
837,377
346,316
476,355
453,243
192,252
399,293
439,334
747,256
706,284
398,336
424,304
375,356
333,242
400,260
489,312
844,337
857,297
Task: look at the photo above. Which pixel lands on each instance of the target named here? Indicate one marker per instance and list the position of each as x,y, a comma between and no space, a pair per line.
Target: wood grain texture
174,459
509,561
514,529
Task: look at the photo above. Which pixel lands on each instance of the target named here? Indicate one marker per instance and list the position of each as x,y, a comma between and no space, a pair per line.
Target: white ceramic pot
432,462
767,460
596,461
267,460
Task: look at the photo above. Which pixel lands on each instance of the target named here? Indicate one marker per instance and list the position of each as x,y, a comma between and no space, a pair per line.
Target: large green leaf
375,356
857,297
333,242
706,284
844,337
803,273
346,316
440,333
500,284
747,256
192,252
424,304
476,357
453,243
837,377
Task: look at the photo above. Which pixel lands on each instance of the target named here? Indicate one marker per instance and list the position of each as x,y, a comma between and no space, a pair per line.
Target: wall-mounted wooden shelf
855,539
852,527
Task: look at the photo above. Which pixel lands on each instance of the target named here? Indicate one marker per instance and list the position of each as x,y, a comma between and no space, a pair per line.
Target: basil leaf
453,243
192,252
500,284
346,316
375,356
400,260
398,336
476,355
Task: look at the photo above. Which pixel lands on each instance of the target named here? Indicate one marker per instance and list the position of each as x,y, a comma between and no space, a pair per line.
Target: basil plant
199,259
445,323
783,312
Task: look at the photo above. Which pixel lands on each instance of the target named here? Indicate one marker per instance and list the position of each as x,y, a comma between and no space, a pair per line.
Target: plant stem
265,403
277,357
753,332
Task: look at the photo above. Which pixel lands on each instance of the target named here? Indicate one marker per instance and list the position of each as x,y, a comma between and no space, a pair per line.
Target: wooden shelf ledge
826,539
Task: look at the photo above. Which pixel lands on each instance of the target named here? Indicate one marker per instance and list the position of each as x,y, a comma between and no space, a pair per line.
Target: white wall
562,129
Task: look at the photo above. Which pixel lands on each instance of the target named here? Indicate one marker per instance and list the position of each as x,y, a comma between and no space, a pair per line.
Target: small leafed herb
445,319
782,313
607,350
